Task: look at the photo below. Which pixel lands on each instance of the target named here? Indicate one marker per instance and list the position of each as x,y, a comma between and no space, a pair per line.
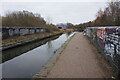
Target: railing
107,41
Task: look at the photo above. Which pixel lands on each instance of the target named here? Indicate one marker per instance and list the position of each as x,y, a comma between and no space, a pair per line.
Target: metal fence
107,41
19,31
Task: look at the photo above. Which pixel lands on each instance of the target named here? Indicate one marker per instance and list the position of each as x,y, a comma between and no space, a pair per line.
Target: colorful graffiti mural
100,33
107,40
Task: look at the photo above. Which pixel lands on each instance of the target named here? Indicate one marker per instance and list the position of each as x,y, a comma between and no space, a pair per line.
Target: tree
110,16
23,19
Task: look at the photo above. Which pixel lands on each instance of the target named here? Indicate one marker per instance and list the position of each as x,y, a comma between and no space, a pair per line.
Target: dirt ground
80,59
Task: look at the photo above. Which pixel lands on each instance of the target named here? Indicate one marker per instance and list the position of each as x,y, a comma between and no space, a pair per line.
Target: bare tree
49,20
23,19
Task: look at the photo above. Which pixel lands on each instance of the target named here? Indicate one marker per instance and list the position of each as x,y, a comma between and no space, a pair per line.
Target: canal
25,61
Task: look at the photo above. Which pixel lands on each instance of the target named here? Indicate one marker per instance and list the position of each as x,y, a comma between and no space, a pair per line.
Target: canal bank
26,64
21,40
11,53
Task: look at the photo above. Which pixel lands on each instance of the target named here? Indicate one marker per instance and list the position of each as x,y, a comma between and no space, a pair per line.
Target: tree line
24,19
110,16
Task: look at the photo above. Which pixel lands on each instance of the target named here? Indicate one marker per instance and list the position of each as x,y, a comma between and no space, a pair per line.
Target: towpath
80,60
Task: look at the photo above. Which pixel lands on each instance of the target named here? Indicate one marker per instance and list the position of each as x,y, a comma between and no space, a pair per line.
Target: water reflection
67,34
27,64
11,53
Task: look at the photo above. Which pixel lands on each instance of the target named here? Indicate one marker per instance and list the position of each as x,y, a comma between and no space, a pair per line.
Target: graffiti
16,31
20,31
107,40
109,49
37,30
24,31
100,33
42,30
11,32
31,31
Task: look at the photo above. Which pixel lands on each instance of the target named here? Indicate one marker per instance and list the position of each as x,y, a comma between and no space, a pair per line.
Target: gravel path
80,60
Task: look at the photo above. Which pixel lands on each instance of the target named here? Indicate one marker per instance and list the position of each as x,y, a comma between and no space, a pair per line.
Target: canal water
25,61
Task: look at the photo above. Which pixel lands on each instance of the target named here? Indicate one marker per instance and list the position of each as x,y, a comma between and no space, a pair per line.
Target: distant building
61,26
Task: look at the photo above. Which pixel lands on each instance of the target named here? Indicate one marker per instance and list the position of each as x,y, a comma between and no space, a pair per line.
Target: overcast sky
59,11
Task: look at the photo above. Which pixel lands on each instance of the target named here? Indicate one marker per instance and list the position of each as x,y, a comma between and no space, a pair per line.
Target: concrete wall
107,40
19,31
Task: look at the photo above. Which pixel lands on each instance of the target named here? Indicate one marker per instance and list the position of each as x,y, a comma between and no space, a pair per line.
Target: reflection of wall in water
68,33
49,47
14,52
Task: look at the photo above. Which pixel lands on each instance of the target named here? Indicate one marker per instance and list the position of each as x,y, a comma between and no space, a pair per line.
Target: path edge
49,65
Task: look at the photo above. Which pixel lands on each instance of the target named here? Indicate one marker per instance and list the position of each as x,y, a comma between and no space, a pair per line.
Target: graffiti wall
19,31
107,40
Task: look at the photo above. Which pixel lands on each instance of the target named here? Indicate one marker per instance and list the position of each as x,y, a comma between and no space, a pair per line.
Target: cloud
58,12
54,0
